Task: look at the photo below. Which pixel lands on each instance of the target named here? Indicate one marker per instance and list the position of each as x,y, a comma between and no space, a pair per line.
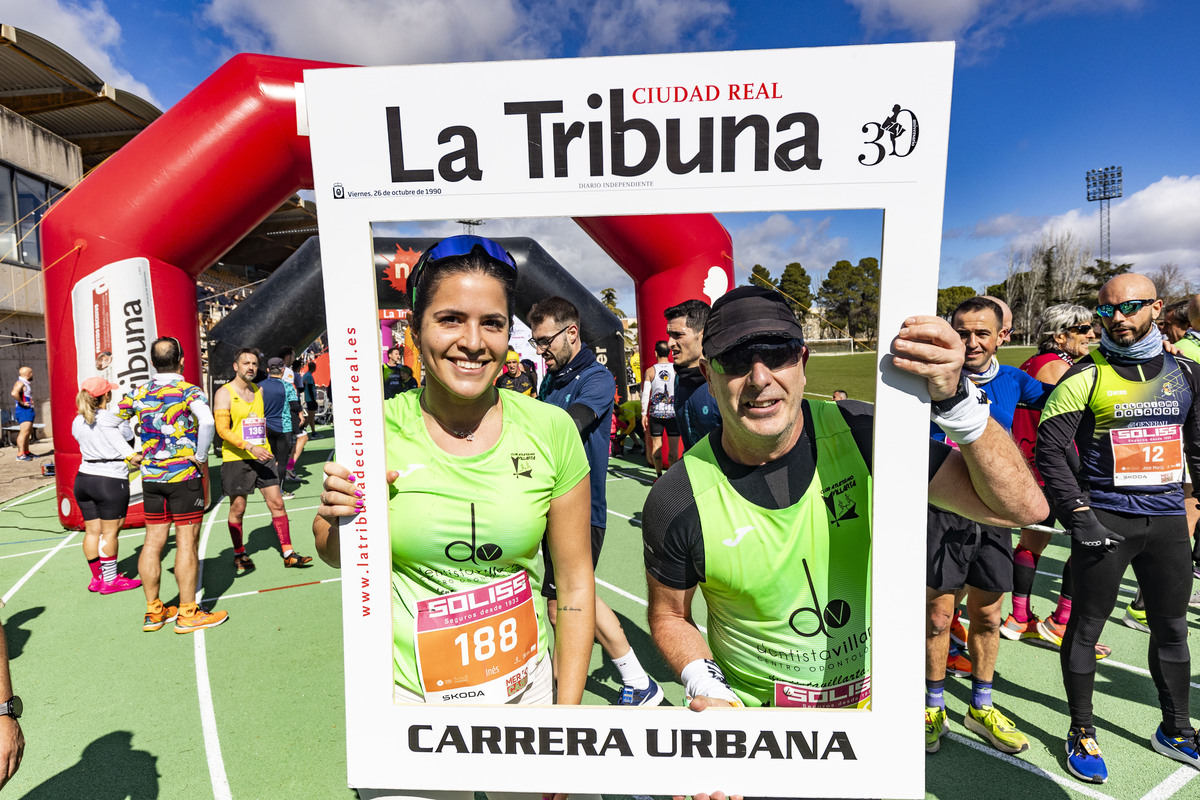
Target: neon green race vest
789,591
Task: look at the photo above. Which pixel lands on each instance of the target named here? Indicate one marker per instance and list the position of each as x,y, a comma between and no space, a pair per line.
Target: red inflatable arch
129,241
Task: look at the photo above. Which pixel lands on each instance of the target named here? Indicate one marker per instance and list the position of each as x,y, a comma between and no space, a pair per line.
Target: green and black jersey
1105,407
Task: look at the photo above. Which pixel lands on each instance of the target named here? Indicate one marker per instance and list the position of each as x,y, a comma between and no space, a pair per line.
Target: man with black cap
281,405
747,515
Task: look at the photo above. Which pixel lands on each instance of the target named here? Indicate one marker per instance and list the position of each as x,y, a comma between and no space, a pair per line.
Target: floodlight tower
1104,185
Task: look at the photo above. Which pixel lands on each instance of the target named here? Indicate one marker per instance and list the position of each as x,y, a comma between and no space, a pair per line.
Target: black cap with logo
745,314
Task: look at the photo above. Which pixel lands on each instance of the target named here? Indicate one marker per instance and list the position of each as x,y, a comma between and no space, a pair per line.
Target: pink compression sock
280,524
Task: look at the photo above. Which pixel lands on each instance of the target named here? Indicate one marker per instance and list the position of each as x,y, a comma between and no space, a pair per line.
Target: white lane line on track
1171,786
29,496
208,716
1138,670
1066,783
8,595
275,589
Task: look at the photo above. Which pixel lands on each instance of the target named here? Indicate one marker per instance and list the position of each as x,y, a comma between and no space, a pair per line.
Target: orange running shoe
958,664
1053,632
294,559
1011,629
958,631
156,619
186,623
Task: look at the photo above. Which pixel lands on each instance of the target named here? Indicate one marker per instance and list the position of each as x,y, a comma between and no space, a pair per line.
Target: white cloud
781,239
976,24
85,30
1153,226
654,26
432,31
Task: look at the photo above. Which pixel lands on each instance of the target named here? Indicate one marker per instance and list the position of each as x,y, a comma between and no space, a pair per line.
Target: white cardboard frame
850,91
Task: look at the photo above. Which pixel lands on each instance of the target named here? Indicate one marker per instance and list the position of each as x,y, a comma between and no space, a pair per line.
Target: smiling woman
467,622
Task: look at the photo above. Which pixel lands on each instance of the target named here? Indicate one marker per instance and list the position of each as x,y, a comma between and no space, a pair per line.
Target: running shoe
652,695
958,632
1052,632
1136,619
1194,600
294,559
998,729
25,457
1185,747
95,584
289,495
936,726
120,584
242,562
957,663
1083,757
156,619
186,623
291,475
1011,629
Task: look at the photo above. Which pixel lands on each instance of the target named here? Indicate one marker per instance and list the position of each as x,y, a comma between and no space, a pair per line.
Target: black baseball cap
274,363
748,313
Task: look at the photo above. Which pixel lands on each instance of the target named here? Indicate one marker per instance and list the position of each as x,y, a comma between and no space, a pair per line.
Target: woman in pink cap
102,484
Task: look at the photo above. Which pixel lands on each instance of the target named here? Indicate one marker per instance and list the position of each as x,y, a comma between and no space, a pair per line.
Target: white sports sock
631,670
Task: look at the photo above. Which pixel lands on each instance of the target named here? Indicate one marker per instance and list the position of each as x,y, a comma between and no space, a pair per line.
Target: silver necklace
468,435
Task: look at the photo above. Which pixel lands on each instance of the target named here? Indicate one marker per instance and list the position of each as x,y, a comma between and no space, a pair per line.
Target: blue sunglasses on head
454,247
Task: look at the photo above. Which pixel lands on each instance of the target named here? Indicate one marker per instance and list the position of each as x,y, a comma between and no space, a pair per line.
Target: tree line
848,298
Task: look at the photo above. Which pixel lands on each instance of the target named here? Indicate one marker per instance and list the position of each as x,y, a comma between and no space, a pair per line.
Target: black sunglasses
773,355
1129,307
1080,329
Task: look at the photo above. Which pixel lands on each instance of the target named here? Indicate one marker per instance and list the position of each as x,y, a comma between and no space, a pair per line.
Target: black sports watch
12,707
942,406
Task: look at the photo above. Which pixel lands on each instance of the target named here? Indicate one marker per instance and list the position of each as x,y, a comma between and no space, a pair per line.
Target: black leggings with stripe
1160,551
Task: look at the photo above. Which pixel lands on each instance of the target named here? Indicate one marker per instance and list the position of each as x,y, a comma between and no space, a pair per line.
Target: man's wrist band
965,420
703,678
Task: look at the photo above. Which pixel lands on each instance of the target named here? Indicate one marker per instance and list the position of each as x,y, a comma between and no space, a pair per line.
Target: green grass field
855,373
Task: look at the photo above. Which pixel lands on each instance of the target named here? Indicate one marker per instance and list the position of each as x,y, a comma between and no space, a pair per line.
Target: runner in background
247,463
1064,333
490,472
658,410
514,378
102,483
22,393
696,412
280,407
1130,409
393,380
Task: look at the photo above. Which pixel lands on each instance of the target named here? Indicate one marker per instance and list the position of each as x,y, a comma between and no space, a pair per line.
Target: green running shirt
459,523
789,590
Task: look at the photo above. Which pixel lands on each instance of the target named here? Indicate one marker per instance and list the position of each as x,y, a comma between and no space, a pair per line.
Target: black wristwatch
12,707
942,406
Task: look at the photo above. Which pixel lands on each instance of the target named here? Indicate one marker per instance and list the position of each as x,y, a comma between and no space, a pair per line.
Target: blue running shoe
652,695
1083,757
1185,747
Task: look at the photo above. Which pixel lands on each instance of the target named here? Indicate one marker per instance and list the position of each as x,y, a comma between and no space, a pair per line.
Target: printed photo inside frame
693,134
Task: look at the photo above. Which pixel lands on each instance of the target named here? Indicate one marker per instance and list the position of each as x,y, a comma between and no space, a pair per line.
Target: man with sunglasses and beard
1130,409
775,509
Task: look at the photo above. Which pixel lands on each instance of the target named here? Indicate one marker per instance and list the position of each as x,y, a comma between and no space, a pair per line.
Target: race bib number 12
477,645
1147,456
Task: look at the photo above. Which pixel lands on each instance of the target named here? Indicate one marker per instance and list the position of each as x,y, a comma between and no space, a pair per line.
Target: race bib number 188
1147,456
477,645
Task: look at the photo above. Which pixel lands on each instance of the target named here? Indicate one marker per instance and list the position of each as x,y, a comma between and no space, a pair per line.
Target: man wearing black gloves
1129,408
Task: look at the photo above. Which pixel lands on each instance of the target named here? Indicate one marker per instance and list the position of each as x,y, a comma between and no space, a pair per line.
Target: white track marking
275,589
8,595
632,521
1066,783
1171,786
30,496
1131,668
208,717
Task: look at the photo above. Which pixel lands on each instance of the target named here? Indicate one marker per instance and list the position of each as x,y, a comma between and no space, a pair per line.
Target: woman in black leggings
102,484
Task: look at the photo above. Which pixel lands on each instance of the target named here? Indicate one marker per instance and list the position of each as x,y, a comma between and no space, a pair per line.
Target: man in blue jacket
695,409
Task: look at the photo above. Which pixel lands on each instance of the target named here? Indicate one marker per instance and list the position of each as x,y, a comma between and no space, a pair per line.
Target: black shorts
311,408
548,588
960,553
281,445
181,502
668,424
242,477
101,497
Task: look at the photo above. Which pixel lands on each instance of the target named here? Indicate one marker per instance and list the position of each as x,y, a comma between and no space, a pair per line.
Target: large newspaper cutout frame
476,141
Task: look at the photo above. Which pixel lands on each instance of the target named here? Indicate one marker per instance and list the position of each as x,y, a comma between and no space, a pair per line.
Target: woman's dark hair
476,261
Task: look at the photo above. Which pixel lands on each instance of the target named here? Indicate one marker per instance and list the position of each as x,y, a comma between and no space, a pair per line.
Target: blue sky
1043,91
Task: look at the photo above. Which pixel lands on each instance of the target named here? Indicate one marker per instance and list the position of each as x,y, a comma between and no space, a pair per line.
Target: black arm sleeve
584,417
672,540
1055,453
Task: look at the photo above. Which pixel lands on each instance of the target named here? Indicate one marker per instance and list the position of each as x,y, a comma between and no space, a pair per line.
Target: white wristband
703,678
965,422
